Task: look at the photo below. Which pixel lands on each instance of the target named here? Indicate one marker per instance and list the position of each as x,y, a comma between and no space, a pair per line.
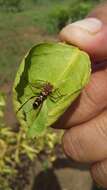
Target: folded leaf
48,80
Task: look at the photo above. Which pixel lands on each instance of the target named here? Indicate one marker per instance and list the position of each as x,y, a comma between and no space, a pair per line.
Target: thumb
89,34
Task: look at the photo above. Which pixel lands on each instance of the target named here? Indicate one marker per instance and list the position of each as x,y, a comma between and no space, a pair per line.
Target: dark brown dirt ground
64,175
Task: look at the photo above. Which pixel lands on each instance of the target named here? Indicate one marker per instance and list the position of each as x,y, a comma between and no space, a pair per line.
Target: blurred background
39,164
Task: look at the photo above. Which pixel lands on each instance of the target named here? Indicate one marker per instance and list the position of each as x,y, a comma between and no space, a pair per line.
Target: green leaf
63,66
38,126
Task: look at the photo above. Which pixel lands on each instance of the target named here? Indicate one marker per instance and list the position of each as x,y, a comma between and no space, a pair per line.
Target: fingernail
91,25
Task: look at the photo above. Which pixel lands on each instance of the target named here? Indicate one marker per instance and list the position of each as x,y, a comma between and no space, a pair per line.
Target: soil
64,175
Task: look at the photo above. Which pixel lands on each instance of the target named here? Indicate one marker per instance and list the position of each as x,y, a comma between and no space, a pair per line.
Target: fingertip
88,34
99,174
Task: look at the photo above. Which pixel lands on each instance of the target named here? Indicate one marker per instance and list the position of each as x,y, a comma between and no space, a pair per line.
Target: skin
85,138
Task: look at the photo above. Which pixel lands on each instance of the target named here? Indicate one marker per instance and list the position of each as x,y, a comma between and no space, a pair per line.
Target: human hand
85,139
